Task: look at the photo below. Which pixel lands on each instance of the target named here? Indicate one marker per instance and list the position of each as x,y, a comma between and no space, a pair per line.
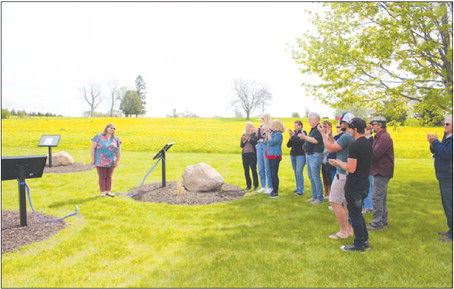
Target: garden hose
36,214
143,181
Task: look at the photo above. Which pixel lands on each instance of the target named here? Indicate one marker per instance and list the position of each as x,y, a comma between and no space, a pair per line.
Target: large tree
131,103
91,93
376,53
141,89
250,95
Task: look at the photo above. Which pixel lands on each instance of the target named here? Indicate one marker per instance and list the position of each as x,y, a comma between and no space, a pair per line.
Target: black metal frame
49,146
21,168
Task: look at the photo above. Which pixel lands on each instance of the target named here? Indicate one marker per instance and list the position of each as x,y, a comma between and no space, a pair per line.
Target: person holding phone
297,155
249,155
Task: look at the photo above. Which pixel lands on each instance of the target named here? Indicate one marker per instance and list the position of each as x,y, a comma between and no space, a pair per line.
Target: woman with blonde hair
105,154
262,162
249,154
274,153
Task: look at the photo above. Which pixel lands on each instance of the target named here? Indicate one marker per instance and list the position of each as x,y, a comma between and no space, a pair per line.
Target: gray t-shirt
344,141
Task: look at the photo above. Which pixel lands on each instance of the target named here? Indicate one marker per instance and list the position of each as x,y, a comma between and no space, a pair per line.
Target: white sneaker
261,190
269,191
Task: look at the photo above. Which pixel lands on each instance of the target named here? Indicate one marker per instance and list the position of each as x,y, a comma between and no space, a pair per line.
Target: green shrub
5,113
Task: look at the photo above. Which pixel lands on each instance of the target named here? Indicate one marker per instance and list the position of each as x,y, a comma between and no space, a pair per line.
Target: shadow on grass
72,202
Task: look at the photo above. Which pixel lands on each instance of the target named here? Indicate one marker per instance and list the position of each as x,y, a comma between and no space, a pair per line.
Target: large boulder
61,159
202,178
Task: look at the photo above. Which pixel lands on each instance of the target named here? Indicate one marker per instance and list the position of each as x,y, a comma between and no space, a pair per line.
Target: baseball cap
347,117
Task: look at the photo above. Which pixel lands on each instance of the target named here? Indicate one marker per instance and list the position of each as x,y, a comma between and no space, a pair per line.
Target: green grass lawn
251,242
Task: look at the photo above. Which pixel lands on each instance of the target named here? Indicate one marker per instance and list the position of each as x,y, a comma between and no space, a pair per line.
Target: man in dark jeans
442,153
357,185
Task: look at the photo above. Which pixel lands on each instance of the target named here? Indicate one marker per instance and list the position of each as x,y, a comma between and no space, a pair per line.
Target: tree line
129,101
6,113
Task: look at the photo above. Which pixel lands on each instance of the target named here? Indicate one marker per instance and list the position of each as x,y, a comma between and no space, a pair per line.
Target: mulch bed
15,236
76,167
171,195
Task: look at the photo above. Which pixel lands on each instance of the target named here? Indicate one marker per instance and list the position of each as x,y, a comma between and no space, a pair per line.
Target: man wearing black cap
357,185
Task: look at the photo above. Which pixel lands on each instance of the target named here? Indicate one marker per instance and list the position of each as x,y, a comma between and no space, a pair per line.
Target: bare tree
250,95
92,95
114,95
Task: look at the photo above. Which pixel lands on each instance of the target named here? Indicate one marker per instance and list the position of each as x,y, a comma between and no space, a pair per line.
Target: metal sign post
49,141
160,156
163,169
22,199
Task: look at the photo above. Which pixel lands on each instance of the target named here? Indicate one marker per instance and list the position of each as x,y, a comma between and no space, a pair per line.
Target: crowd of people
355,166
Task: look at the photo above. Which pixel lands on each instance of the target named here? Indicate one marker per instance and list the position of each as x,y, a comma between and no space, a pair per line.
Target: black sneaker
273,195
248,188
445,234
353,248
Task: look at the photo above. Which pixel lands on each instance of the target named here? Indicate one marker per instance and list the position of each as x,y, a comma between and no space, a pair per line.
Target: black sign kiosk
21,168
161,155
49,141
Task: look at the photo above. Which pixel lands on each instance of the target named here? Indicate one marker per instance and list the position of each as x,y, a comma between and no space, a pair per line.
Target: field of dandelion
190,135
254,241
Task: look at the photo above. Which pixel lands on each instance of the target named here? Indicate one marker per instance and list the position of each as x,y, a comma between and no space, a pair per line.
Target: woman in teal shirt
105,155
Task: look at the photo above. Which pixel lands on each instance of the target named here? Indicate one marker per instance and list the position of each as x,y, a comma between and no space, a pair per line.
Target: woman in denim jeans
263,163
297,155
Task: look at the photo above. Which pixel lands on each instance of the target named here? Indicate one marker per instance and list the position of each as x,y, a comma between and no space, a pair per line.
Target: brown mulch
15,236
171,195
75,167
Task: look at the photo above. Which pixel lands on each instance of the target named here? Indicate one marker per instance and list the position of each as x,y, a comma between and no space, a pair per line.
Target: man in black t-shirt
357,185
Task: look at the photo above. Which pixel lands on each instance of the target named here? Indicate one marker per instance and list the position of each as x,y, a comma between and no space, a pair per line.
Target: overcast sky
187,53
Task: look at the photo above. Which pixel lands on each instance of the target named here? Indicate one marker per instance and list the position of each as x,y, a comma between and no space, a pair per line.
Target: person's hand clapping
432,137
334,162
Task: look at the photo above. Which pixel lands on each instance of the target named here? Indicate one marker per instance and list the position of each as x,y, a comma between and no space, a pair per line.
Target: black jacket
296,144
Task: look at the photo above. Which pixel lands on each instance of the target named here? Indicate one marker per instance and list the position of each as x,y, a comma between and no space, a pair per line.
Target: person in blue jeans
314,156
274,153
297,155
368,203
263,163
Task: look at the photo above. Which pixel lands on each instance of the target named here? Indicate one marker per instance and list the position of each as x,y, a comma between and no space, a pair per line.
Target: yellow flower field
191,135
